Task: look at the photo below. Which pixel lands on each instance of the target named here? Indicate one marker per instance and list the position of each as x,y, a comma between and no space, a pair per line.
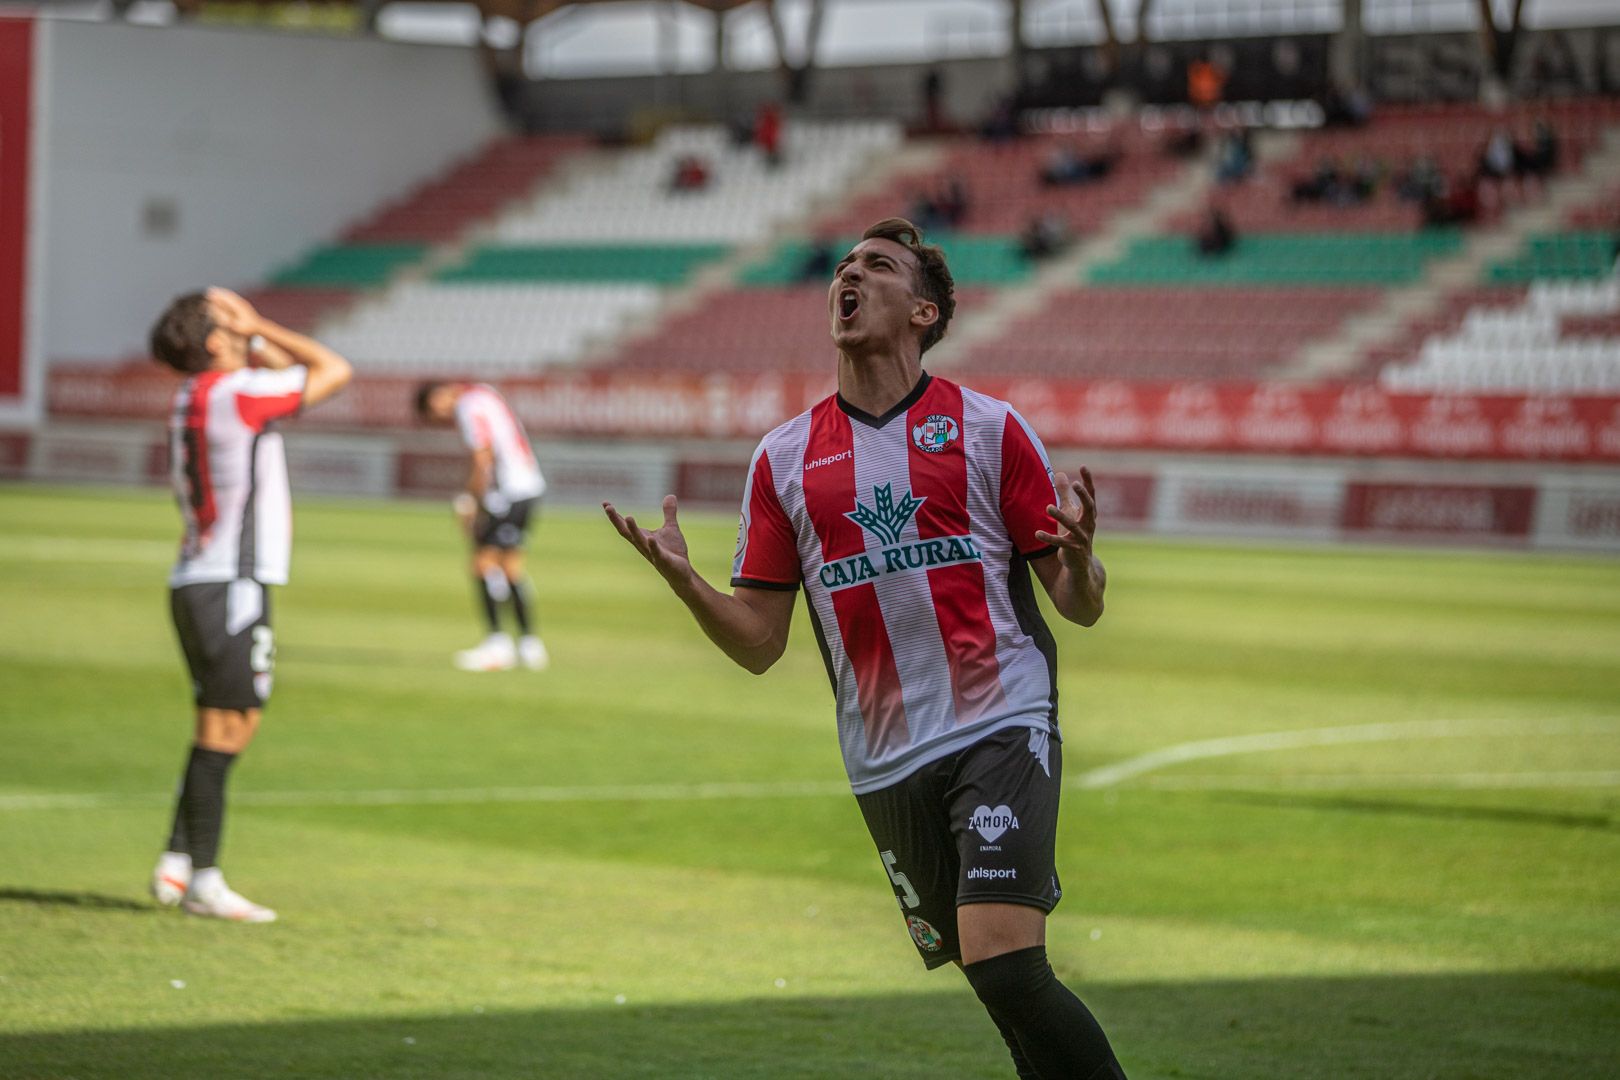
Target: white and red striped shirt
229,472
909,533
486,422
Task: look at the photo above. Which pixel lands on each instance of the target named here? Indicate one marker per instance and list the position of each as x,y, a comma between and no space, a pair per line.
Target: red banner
16,129
1354,420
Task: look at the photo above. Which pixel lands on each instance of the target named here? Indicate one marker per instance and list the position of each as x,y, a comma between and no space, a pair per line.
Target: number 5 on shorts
901,882
263,655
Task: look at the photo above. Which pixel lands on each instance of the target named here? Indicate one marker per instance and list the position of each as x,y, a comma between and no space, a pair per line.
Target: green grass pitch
642,864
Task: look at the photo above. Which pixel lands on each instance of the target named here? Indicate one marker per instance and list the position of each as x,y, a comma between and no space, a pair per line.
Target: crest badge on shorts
935,433
926,937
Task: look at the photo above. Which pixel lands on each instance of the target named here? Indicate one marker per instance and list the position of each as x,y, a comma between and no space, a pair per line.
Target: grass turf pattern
1334,911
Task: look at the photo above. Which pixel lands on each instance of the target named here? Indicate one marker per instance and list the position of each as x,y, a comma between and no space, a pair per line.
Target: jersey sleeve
1027,487
767,548
472,420
264,395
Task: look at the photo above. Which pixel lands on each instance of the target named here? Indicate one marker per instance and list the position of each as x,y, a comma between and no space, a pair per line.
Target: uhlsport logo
990,873
924,935
934,434
991,823
886,519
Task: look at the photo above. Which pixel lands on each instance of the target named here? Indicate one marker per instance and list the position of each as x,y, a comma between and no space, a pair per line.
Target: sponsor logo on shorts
934,434
982,873
992,822
926,937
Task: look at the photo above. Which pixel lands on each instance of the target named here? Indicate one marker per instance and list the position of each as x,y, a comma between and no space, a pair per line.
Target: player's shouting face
874,302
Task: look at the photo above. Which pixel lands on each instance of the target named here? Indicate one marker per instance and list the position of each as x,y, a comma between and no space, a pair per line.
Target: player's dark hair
424,397
933,277
180,335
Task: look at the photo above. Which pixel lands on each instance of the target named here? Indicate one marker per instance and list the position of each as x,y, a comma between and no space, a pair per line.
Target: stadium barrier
1403,500
1332,420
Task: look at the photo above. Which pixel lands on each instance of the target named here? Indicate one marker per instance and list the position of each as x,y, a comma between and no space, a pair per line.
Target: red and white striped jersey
910,533
229,472
486,422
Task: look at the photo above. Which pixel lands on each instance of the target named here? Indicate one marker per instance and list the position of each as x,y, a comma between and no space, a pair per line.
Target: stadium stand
1452,137
577,264
1181,333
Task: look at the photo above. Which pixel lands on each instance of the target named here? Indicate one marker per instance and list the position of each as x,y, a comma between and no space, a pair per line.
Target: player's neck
875,384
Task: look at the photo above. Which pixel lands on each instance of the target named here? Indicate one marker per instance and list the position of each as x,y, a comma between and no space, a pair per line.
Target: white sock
207,882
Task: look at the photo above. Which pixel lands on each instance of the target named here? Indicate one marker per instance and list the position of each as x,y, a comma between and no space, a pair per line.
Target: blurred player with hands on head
229,472
504,486
912,512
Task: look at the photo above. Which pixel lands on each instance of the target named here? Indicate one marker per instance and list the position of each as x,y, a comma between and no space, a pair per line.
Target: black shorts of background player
243,373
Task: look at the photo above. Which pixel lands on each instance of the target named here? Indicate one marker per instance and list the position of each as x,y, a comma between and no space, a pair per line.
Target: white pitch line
1204,749
1106,776
1470,781
85,549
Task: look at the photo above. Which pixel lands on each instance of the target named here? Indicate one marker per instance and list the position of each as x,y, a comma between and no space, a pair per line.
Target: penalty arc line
1107,776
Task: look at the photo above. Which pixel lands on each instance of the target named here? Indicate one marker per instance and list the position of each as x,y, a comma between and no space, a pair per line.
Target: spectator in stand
951,202
1364,181
1235,159
1346,107
933,95
1324,185
1421,182
818,261
1539,157
1002,123
1206,83
1216,237
1456,202
1186,138
768,133
1496,159
691,174
1066,165
1044,235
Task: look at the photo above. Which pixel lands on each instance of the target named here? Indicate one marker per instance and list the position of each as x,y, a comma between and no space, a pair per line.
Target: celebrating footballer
913,513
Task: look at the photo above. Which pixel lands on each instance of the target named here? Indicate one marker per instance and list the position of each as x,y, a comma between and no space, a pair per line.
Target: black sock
520,605
178,841
487,602
1059,1037
1021,1065
202,804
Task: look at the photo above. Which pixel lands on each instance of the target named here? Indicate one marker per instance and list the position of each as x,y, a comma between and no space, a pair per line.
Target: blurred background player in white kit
504,486
229,472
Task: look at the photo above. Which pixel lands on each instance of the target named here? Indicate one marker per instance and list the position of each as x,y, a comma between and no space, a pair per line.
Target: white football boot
532,651
496,653
171,877
211,898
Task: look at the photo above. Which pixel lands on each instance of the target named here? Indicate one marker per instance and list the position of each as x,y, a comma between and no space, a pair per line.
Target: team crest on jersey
926,937
935,433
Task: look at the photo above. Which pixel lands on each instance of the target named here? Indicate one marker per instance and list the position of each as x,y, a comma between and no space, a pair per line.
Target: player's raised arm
1075,578
750,626
328,372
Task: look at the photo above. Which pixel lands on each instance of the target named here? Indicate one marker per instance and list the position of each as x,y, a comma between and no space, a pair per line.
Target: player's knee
1013,983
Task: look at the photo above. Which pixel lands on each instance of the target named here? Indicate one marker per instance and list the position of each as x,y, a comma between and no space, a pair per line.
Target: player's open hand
664,548
232,312
1076,516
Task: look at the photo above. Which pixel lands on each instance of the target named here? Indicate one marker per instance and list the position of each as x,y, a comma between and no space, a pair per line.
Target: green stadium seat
659,264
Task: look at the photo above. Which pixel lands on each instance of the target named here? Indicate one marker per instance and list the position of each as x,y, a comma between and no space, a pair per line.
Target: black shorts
977,827
505,531
224,629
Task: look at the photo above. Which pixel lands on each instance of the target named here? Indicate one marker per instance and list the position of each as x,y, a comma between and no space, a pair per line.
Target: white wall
264,143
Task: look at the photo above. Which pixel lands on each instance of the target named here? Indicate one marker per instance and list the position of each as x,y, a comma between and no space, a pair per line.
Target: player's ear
216,343
924,314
